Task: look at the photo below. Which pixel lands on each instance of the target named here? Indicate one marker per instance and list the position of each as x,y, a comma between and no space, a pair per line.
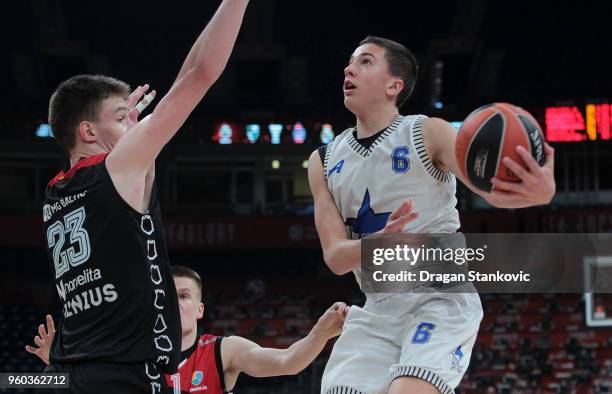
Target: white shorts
428,336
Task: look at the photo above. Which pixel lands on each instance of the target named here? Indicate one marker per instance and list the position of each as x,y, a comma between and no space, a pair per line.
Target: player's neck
81,152
188,340
374,120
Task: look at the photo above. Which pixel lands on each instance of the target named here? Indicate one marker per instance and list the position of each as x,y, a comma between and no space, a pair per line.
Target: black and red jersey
201,368
111,272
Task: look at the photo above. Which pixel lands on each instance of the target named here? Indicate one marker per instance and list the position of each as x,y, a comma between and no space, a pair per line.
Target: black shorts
102,377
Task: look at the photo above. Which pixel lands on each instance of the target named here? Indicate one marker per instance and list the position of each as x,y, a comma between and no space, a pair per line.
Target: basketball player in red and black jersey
211,363
121,326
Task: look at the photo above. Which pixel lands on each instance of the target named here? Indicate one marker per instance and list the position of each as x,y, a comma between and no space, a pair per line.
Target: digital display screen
575,123
227,132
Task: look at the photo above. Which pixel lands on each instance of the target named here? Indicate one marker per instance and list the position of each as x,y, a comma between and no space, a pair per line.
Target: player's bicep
328,220
139,147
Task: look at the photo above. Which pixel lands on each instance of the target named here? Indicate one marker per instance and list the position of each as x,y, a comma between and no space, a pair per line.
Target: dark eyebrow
121,109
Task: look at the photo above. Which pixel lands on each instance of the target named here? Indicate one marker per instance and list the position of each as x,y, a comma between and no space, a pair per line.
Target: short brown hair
181,271
78,99
402,64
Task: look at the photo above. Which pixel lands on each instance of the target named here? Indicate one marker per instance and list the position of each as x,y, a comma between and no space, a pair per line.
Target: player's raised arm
341,254
537,184
241,355
135,152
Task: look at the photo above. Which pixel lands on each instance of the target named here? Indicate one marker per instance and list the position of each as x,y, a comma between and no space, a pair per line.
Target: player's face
190,306
112,122
366,79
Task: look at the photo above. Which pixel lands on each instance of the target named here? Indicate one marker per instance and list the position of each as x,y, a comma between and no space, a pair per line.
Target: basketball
491,133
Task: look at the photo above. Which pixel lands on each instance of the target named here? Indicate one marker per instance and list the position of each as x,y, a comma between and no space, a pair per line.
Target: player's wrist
318,333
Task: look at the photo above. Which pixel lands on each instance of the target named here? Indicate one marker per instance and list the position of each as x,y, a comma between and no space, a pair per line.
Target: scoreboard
578,123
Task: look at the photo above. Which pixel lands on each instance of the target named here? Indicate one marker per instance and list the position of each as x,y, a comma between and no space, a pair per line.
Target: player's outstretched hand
43,340
331,322
537,185
400,218
136,103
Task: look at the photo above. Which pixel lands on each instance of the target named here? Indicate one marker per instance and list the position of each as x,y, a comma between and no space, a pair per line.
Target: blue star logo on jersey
197,377
457,356
367,221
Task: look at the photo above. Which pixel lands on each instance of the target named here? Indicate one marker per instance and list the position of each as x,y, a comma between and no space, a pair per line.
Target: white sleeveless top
368,184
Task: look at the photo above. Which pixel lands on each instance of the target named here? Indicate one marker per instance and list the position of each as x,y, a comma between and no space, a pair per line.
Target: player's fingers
519,171
137,95
399,224
134,97
144,103
31,349
50,325
406,208
396,213
38,341
550,156
143,91
340,307
400,211
532,164
41,331
504,186
346,311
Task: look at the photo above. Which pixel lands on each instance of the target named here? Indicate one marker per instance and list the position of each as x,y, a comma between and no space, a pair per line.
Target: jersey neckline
365,151
84,162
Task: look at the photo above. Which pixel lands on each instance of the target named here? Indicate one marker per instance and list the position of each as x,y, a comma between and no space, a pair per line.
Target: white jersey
368,184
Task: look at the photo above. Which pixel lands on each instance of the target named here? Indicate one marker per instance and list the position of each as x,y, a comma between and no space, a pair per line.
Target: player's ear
86,132
200,311
395,86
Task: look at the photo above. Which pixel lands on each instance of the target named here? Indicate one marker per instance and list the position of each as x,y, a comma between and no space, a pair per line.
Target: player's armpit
439,137
341,254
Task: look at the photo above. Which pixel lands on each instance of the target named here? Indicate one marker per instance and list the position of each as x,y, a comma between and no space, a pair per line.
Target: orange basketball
491,133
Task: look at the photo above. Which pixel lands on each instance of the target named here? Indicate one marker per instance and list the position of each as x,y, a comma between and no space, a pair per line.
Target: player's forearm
213,47
343,256
303,352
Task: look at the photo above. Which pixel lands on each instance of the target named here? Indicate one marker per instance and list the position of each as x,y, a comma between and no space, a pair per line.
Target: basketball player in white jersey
393,173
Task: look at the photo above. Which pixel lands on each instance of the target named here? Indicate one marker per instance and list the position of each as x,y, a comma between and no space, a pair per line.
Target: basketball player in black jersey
213,363
121,326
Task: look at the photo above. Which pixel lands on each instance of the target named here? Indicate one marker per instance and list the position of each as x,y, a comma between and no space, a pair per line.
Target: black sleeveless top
111,271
